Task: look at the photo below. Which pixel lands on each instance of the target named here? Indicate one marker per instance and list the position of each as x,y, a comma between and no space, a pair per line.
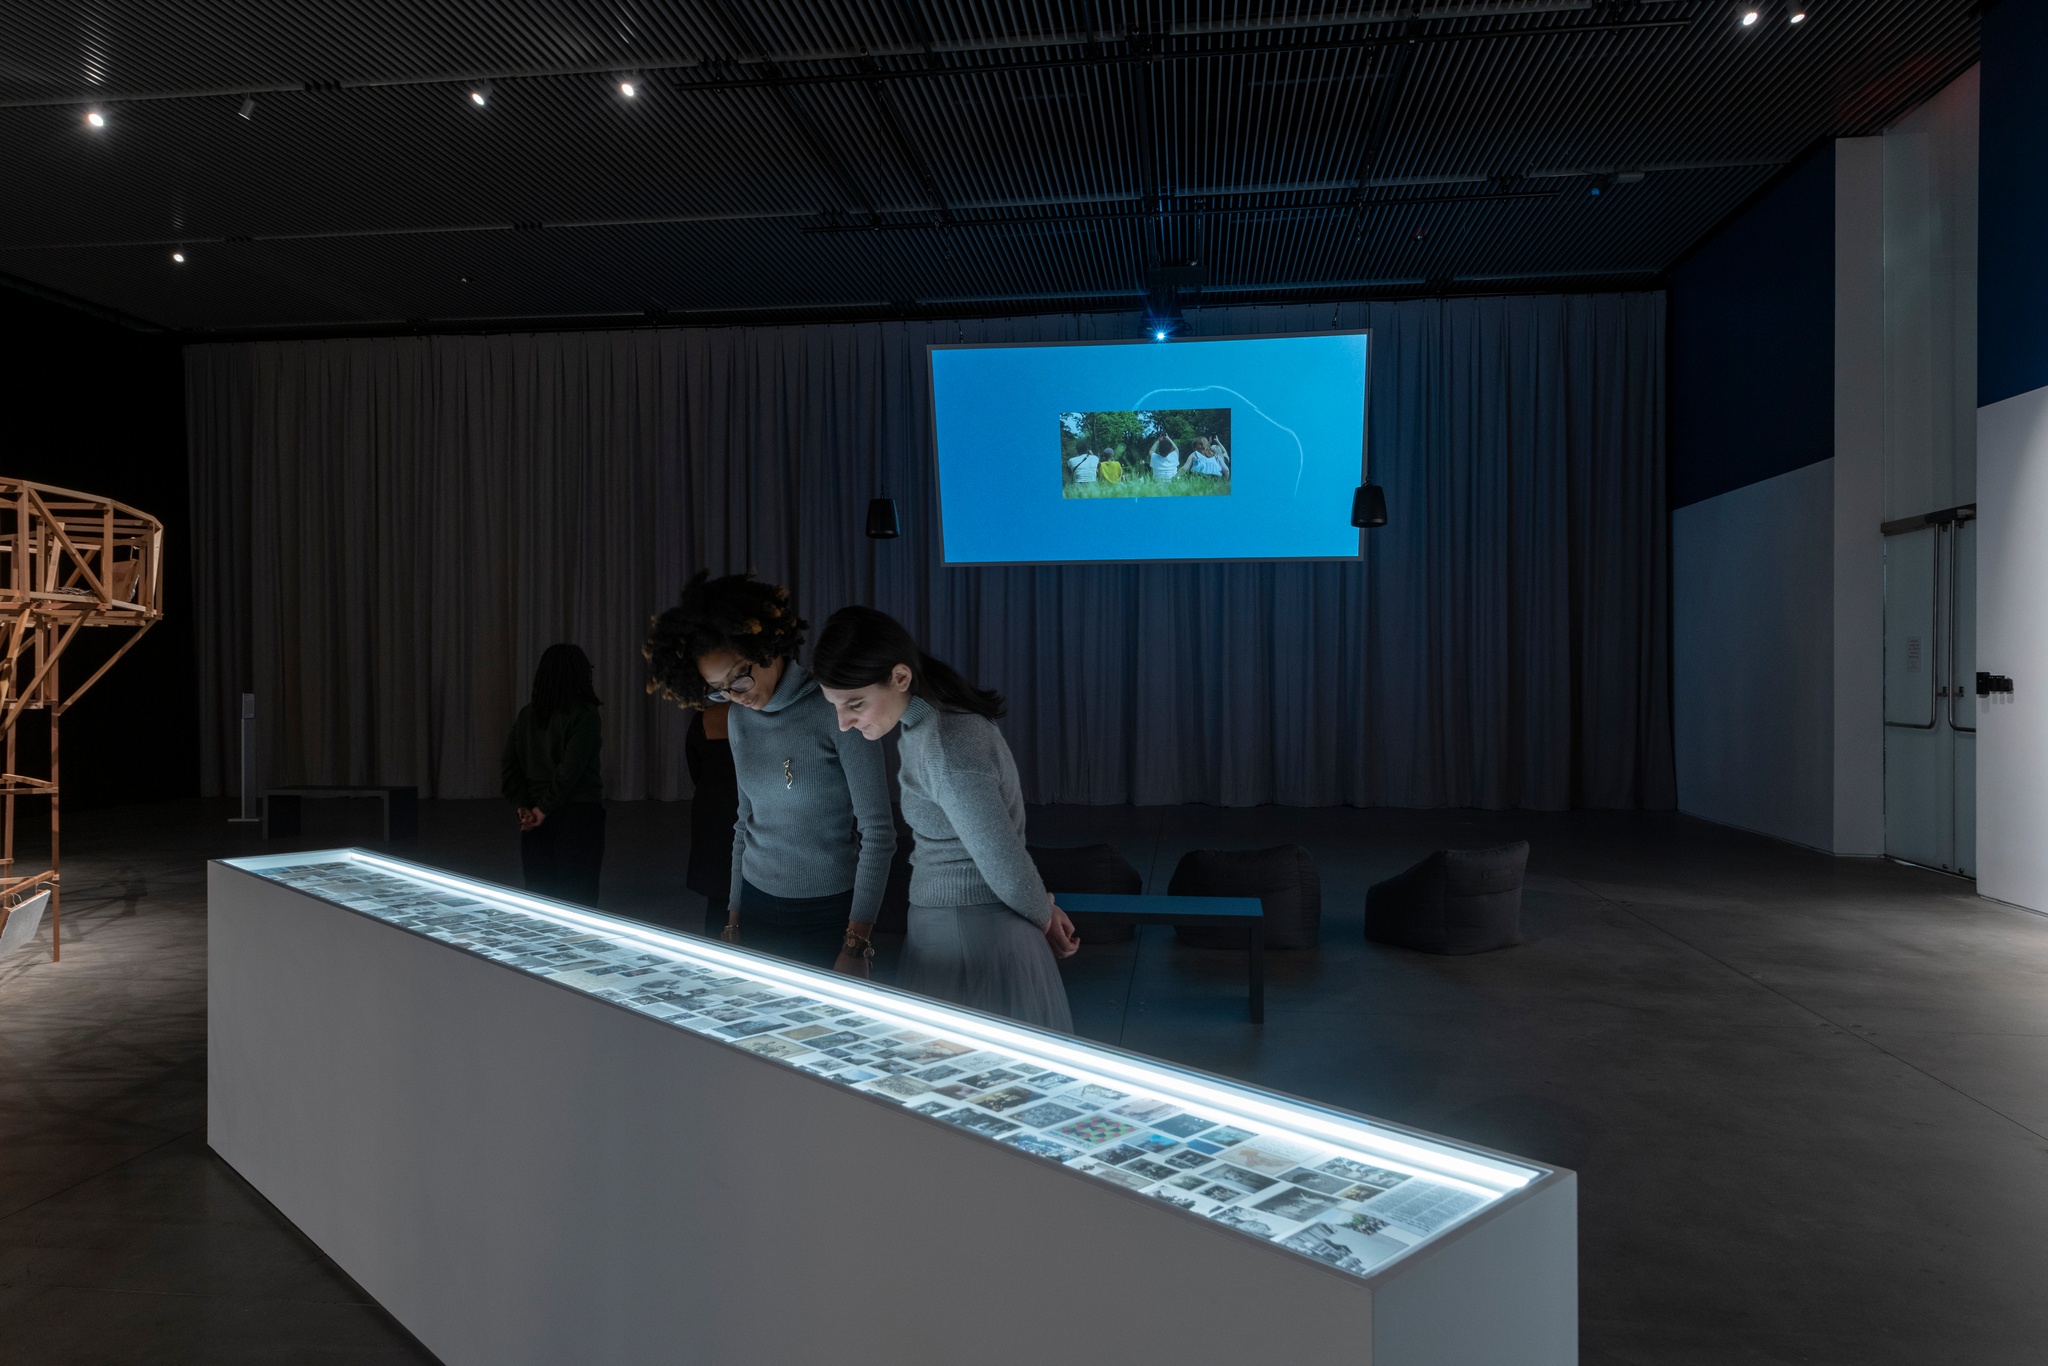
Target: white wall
1778,593
1778,588
1857,605
2012,639
1753,656
1930,303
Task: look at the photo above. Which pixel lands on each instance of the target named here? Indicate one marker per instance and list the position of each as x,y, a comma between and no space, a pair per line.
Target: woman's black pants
562,856
802,929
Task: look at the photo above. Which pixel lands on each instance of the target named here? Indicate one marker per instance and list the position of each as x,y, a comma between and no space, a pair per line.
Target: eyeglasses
741,682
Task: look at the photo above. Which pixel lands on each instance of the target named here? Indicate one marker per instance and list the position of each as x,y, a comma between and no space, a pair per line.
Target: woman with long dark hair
984,932
554,779
814,835
1165,458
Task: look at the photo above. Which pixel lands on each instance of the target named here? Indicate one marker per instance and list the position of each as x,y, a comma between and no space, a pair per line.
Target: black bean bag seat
1091,868
1454,901
1282,878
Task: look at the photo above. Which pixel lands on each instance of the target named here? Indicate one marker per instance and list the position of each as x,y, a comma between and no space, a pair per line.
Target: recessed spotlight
179,257
629,87
248,109
1750,16
1160,335
95,119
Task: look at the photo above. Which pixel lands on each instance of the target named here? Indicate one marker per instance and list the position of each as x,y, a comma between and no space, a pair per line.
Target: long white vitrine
536,1133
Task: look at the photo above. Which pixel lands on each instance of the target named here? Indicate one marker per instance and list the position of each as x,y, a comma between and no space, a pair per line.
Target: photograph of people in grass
1163,453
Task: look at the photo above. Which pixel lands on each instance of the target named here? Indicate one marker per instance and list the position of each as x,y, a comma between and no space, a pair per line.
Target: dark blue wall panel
1752,338
2012,205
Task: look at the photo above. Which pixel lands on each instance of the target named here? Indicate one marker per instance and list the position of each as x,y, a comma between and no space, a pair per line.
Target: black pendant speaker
1368,507
882,519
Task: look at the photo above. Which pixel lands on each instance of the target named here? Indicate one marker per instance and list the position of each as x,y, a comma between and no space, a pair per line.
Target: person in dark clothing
554,779
714,807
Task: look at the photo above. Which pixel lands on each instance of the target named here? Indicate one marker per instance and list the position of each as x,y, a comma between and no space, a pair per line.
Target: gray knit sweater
806,789
963,802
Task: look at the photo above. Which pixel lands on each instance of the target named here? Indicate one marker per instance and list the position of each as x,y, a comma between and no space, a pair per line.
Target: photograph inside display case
1354,1201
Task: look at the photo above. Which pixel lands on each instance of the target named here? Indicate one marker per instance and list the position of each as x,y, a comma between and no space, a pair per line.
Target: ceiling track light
1797,16
629,86
248,109
1750,16
480,94
178,258
95,119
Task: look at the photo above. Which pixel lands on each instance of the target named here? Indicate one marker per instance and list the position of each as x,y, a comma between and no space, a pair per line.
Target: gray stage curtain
395,528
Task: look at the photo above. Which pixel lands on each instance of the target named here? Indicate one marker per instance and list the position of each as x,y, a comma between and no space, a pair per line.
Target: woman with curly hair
814,836
984,932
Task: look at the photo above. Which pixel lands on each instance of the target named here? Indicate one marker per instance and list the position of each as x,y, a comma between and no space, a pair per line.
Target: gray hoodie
807,789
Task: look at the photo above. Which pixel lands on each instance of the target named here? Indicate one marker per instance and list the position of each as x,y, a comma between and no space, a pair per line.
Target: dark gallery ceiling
390,163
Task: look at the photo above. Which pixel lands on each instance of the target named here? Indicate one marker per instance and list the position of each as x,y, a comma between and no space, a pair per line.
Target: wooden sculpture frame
67,561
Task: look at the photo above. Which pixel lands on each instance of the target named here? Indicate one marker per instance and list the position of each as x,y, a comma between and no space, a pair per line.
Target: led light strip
1479,1177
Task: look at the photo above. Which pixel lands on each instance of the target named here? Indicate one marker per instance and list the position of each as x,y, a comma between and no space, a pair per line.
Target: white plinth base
523,1173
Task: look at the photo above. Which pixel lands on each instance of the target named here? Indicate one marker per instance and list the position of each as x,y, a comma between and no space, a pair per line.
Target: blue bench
1246,912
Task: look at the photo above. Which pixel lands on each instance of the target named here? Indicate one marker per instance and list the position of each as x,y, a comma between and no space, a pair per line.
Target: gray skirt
985,958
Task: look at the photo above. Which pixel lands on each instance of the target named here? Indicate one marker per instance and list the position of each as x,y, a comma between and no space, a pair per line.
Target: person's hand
1061,934
534,816
526,818
856,952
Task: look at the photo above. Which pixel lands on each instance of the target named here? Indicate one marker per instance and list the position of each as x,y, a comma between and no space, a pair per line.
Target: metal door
1929,713
1961,711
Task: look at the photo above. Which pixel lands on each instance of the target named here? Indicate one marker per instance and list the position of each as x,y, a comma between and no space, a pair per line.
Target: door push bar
1967,512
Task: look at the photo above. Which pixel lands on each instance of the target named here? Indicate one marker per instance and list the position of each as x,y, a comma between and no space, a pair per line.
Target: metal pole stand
252,808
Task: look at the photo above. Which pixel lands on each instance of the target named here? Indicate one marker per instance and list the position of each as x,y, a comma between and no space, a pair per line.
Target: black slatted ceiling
794,158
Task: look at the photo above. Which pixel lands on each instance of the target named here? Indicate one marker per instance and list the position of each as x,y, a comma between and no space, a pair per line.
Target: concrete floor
1805,1096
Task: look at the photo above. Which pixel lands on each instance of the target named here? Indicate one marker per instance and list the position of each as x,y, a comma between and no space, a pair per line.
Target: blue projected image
1228,449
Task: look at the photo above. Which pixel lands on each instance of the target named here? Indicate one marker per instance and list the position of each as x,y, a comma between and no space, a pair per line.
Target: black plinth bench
401,808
